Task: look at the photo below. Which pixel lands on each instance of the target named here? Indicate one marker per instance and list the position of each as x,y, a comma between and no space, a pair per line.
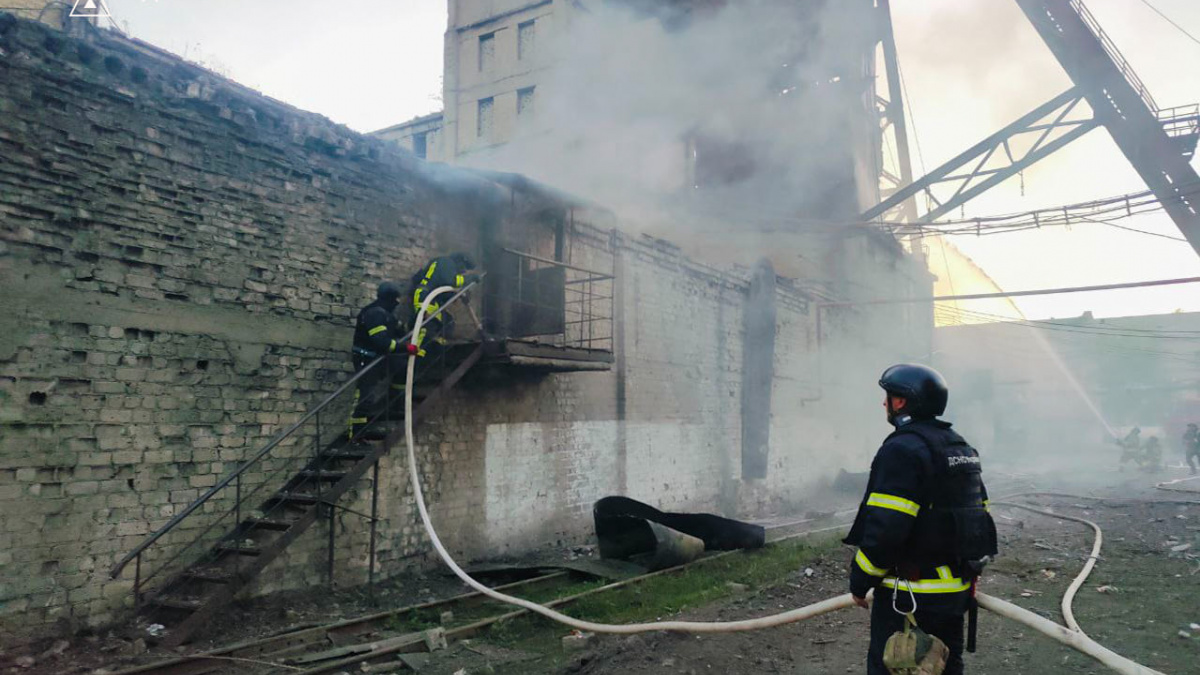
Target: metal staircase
221,541
540,315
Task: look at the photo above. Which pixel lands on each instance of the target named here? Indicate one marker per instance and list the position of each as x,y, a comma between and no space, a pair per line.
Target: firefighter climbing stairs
273,498
545,316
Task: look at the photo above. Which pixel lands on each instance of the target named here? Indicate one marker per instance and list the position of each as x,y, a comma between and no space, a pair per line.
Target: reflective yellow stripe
459,280
944,572
398,386
894,503
392,348
429,273
952,585
985,505
865,564
358,420
376,330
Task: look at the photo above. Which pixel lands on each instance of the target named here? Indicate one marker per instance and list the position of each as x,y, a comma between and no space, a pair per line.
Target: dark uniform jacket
376,332
443,271
923,517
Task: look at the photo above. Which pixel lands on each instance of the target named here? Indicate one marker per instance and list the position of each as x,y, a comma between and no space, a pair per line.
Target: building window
487,51
420,144
483,122
525,101
526,39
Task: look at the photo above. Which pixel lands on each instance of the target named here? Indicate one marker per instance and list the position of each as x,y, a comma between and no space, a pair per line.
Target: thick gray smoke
760,90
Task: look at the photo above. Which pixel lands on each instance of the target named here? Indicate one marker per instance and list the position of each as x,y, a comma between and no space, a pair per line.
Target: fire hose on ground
1069,597
1072,638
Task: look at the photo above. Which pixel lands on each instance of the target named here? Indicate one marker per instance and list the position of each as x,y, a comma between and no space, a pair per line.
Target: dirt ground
1142,601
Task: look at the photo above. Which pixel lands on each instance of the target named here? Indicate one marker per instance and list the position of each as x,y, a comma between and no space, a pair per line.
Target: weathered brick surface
181,259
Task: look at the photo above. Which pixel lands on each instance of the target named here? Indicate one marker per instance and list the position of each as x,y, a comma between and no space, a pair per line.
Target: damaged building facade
665,92
182,259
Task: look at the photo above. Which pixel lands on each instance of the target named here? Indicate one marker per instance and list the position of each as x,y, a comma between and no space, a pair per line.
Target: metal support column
374,519
894,108
329,562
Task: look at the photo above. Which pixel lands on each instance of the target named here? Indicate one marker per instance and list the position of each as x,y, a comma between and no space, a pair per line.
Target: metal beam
1122,103
967,174
894,109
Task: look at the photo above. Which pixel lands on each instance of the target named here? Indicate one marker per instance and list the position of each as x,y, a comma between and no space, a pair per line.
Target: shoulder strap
933,440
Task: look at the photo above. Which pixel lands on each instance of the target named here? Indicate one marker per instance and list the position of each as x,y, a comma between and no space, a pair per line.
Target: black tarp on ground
623,529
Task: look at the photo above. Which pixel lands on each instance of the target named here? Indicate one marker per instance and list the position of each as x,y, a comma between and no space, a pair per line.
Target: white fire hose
1072,638
1069,596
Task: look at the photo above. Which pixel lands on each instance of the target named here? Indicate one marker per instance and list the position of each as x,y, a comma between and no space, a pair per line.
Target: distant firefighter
1191,446
908,551
1152,454
1131,447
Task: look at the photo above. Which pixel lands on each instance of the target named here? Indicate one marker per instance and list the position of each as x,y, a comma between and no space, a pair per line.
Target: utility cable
1171,21
1078,329
1135,230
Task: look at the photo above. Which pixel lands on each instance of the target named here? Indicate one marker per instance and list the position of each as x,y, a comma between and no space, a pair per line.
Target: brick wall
181,259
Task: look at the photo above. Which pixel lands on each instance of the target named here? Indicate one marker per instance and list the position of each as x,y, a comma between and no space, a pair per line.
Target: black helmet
388,291
923,387
463,260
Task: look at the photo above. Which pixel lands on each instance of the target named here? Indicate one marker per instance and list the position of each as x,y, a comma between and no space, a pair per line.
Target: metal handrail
271,445
557,263
1115,54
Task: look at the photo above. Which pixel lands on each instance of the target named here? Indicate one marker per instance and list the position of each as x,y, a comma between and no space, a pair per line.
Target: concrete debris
155,629
1180,548
1049,574
1185,634
808,571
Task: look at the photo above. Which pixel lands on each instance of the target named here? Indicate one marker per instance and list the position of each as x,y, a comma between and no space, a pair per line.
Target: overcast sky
971,67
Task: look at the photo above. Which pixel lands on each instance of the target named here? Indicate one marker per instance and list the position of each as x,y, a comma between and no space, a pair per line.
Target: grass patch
661,596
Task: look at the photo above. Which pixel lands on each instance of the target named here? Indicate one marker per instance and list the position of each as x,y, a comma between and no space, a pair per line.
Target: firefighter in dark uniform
452,270
923,531
377,333
1191,446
